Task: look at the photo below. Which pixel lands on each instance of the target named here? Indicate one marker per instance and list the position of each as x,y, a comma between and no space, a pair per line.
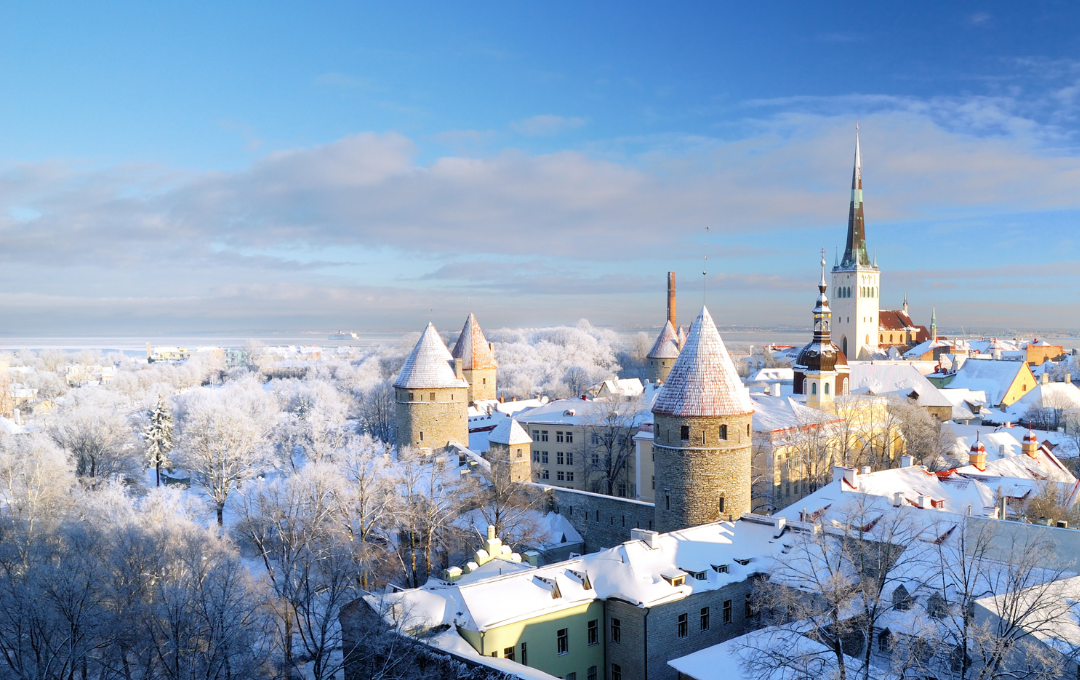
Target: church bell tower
856,280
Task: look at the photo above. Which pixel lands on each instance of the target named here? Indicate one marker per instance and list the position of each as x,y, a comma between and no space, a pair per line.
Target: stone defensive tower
478,364
510,452
702,417
431,395
663,354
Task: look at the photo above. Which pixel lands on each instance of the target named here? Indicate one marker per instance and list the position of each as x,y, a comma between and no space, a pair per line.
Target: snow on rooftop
992,377
666,345
773,414
429,365
509,432
776,374
728,660
894,378
703,381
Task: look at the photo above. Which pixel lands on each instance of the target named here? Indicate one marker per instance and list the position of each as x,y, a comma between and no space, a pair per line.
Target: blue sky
255,166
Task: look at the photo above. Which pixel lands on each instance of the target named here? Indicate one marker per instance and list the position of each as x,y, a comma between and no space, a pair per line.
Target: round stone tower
477,361
701,428
431,395
663,354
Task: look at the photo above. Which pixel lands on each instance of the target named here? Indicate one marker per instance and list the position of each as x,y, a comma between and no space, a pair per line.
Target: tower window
826,388
432,398
485,381
748,429
723,431
421,435
667,502
813,388
721,504
410,396
684,433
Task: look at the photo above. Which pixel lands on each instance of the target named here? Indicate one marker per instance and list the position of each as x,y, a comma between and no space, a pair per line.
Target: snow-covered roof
959,396
509,432
429,365
1005,457
666,345
582,412
773,414
1056,395
775,374
992,377
472,347
703,381
890,378
803,657
621,387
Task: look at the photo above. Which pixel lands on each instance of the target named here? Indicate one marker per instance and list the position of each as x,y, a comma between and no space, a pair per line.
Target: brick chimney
1030,445
977,456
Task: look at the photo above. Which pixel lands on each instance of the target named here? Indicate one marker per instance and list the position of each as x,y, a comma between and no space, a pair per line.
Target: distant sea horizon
736,338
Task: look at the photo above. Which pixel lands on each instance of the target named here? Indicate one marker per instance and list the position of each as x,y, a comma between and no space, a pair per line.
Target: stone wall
512,463
657,370
694,474
481,383
603,521
650,636
427,423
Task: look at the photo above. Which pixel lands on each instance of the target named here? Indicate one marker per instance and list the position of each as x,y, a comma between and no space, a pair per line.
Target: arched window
826,388
805,384
813,388
868,339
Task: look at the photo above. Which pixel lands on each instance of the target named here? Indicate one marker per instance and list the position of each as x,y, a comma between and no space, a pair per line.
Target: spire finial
822,285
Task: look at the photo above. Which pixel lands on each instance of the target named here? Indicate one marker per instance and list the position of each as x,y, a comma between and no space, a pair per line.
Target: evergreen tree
159,437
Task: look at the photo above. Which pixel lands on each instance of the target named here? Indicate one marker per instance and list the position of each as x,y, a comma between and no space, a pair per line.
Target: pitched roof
881,379
429,365
509,432
993,377
703,381
472,347
666,345
894,320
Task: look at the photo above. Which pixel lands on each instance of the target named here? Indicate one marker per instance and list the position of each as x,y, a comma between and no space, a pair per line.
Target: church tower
821,369
477,361
431,397
701,429
856,280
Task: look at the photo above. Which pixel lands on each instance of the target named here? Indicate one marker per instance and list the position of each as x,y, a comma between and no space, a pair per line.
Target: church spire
933,323
855,250
822,313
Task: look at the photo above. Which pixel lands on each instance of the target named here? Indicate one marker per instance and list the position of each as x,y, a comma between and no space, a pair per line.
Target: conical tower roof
703,381
666,345
430,365
682,337
472,347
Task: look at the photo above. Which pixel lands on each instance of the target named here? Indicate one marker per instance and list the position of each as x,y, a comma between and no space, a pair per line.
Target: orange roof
472,347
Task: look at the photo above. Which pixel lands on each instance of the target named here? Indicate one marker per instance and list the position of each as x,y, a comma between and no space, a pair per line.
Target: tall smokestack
671,299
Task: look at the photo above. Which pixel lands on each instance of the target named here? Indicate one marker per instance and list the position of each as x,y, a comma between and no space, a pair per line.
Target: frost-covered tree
92,428
159,438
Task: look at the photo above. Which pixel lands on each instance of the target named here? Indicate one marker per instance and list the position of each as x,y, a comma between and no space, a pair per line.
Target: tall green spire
855,250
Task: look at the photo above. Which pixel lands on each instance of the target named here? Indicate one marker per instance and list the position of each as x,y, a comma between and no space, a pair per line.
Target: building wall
515,459
481,383
657,370
429,419
693,475
855,318
603,521
645,467
573,443
650,635
539,634
1024,383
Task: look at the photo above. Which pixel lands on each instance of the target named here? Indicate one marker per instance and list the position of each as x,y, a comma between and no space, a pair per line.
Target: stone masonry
603,521
696,473
650,635
481,383
657,370
512,461
433,417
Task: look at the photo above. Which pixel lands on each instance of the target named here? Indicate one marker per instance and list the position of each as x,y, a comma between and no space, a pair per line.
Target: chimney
774,389
906,461
1045,379
865,470
897,499
1030,445
977,455
846,474
671,298
778,526
457,369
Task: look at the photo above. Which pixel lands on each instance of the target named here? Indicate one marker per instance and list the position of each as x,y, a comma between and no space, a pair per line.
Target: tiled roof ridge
703,381
472,347
429,365
666,345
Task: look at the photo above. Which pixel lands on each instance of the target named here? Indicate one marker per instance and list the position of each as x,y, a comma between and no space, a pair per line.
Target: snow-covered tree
159,438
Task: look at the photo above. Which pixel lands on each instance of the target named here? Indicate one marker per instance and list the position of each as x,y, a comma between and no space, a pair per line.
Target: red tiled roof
472,347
